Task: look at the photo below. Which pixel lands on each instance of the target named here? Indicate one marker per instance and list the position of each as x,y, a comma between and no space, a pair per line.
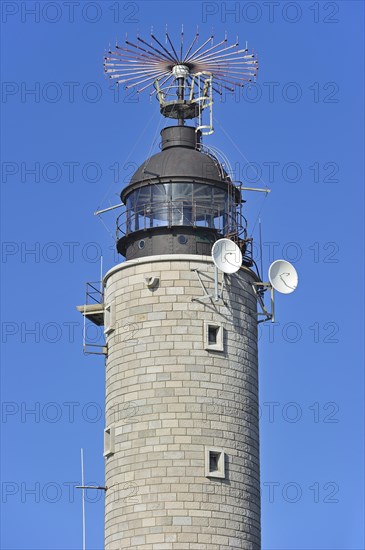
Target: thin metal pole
216,293
263,190
272,292
83,502
101,275
261,263
107,209
84,331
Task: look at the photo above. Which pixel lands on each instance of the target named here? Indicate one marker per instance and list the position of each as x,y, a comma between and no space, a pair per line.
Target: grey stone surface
168,398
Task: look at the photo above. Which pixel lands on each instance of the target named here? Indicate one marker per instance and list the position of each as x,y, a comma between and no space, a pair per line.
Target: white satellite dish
226,256
283,276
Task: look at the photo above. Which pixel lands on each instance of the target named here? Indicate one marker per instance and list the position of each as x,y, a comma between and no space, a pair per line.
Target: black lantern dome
180,200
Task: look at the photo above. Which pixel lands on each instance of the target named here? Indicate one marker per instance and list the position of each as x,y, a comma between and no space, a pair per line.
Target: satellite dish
226,256
283,276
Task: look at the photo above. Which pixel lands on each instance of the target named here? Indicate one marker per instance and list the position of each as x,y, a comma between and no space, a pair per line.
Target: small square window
109,318
213,336
215,463
109,441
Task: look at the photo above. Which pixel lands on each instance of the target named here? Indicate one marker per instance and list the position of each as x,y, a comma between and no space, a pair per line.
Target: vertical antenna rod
83,502
101,276
261,260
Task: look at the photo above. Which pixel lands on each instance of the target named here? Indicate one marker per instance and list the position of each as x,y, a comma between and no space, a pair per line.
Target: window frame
109,441
219,344
109,317
221,470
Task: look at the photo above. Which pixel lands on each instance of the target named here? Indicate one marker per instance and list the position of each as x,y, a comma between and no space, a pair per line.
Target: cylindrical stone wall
171,396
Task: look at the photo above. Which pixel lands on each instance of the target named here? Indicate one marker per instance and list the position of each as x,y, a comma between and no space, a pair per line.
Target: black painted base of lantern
167,240
171,240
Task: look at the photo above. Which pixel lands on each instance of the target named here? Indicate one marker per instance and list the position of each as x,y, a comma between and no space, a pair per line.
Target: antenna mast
83,502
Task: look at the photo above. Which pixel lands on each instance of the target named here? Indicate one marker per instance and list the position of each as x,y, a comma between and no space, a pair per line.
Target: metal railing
94,296
94,293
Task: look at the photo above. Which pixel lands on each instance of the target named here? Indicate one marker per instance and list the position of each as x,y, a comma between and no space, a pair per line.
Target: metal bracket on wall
98,487
217,295
259,289
152,282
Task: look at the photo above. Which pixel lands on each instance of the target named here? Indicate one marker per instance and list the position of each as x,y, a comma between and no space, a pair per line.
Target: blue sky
300,132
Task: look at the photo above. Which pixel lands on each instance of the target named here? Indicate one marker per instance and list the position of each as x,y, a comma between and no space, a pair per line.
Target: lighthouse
181,440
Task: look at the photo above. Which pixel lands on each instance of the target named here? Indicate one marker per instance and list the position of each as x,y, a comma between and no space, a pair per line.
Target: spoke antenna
184,75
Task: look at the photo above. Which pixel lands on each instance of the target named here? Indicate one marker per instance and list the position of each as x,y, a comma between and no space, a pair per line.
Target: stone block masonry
170,398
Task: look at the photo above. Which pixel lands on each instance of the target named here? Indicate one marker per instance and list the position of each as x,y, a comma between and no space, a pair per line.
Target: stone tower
181,441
